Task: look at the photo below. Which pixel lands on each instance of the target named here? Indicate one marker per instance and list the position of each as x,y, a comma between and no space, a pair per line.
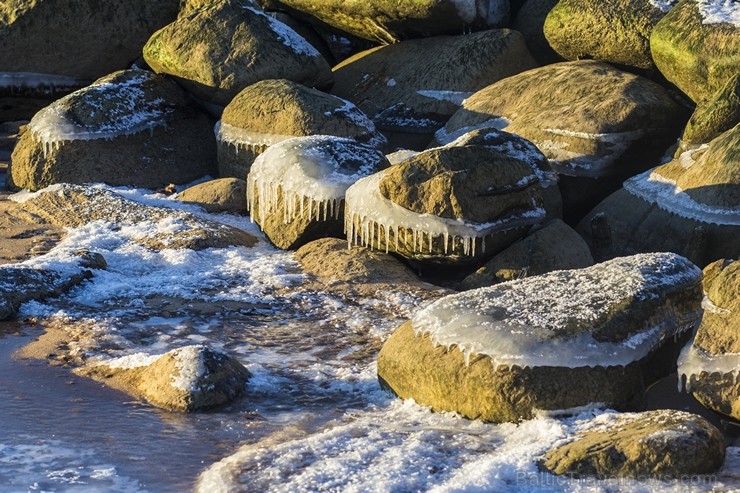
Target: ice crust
191,368
312,173
454,97
288,36
242,139
444,137
367,213
694,361
527,322
128,112
719,12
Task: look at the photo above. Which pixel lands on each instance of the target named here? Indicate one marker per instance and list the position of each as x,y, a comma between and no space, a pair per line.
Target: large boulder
132,128
271,111
502,352
187,379
448,205
617,31
696,46
389,21
554,246
659,444
161,228
590,119
222,195
220,49
711,365
530,21
414,86
296,189
688,206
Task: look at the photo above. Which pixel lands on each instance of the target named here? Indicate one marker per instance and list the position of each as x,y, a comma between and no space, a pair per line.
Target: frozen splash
311,174
720,12
548,320
370,218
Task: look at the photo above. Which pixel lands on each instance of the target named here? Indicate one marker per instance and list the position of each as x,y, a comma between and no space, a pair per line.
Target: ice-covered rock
226,45
271,111
132,127
502,352
450,205
389,21
188,379
414,86
660,444
155,227
590,119
710,367
555,246
296,189
690,205
222,195
696,46
617,31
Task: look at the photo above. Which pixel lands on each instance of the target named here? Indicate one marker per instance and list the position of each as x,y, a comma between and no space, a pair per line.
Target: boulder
220,49
712,117
502,352
696,46
389,21
69,43
688,206
191,378
70,206
296,189
130,128
22,238
222,195
711,365
658,444
555,246
590,119
271,111
617,31
530,21
449,205
414,86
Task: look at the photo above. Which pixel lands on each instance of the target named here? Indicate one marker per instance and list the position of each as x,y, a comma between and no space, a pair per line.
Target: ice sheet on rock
666,194
241,138
694,361
444,137
400,155
547,320
312,174
111,110
287,36
664,6
368,213
719,12
454,97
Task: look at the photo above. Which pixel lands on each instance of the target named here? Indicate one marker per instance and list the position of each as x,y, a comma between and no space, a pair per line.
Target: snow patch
191,368
287,36
136,360
664,6
454,97
720,12
443,136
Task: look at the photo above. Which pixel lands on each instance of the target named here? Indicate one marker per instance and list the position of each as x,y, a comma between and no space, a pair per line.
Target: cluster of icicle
370,217
242,139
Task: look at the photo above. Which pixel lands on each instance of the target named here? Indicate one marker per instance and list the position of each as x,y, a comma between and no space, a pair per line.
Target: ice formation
454,97
287,36
664,6
694,361
368,213
530,322
46,83
245,139
719,12
111,108
190,364
311,173
443,136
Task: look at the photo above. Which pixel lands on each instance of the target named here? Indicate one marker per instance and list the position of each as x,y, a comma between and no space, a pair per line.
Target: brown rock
222,195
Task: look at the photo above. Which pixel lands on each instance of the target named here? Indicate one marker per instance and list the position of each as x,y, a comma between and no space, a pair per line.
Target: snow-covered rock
187,379
502,352
220,49
660,444
296,189
274,110
132,127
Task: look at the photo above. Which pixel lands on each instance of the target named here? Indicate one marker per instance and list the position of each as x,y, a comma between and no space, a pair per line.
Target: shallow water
313,417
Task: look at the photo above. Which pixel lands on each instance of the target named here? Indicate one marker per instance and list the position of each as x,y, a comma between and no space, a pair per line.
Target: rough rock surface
73,205
555,246
271,111
713,116
697,56
530,21
688,206
416,85
222,195
22,238
617,31
662,444
217,51
132,128
500,353
187,379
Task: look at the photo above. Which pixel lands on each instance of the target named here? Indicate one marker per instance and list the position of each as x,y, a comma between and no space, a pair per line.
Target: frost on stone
554,319
719,12
369,216
191,367
111,107
40,83
286,35
311,174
